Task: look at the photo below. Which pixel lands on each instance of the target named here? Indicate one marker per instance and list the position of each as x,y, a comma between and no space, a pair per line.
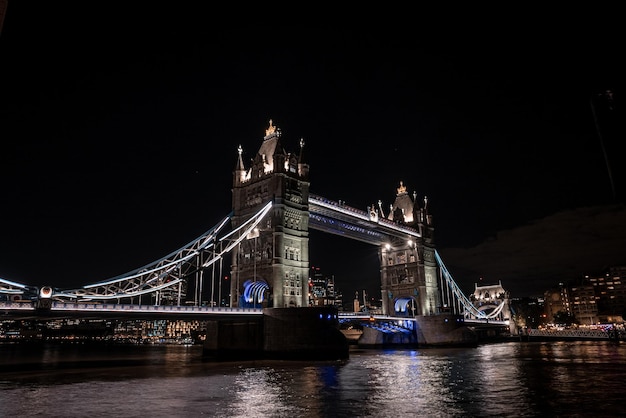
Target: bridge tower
493,300
409,269
271,267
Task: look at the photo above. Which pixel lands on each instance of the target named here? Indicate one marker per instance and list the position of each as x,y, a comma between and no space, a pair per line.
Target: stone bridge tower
271,267
493,300
409,271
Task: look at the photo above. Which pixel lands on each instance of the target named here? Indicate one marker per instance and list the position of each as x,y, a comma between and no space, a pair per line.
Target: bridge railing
115,307
112,307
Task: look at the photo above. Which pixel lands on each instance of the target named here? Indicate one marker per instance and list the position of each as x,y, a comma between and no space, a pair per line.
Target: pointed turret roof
271,145
402,208
240,165
303,167
301,155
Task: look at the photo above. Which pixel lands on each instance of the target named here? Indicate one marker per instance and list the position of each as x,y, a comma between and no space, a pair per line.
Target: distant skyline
120,132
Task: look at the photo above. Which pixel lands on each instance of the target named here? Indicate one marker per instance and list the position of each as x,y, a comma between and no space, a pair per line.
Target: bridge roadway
90,310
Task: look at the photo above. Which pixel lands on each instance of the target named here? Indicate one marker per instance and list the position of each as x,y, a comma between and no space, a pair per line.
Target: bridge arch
405,306
255,294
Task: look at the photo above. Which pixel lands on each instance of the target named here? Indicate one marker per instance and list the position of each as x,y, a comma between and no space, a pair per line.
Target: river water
512,379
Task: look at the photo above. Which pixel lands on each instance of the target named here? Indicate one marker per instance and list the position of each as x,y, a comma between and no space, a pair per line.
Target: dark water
559,379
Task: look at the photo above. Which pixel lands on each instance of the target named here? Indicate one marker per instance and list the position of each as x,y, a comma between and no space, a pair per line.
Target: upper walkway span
339,219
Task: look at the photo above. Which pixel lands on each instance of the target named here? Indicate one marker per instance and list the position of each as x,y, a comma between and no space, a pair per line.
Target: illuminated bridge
124,293
262,247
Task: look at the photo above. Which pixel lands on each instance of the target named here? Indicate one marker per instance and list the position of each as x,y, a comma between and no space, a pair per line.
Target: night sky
119,130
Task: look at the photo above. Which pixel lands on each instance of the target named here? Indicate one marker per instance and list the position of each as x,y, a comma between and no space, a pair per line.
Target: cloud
533,258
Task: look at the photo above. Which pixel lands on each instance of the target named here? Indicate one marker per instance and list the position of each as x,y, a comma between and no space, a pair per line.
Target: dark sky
119,130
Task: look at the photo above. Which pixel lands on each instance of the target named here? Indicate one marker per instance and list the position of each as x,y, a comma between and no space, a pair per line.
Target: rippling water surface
560,379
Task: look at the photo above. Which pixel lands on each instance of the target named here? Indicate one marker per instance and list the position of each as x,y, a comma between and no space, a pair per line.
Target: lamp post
219,294
254,272
254,234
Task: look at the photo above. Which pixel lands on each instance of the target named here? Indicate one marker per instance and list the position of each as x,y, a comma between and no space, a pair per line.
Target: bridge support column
373,338
444,330
234,339
310,333
303,333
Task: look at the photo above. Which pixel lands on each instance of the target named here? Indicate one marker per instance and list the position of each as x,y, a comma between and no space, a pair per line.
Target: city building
322,291
528,312
161,331
593,299
610,294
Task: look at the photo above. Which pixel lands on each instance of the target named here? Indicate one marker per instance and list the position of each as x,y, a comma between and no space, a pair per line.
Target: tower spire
240,165
303,168
240,169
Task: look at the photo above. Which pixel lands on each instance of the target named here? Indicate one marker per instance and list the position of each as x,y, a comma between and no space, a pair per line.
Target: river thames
511,379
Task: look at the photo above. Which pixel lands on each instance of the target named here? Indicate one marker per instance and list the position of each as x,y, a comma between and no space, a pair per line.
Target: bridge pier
234,339
441,330
373,338
310,333
444,330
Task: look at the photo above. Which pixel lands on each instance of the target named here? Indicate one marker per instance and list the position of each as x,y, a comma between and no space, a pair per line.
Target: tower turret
303,167
402,209
239,175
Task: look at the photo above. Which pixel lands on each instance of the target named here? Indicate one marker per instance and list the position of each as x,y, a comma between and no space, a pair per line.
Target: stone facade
274,261
409,272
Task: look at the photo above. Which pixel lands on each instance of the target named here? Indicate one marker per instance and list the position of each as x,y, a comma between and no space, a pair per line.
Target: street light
254,234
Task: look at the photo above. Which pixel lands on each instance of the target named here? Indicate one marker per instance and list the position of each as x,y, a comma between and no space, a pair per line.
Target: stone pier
310,333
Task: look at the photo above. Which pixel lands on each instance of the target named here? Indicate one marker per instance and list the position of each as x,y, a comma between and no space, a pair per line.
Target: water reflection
510,379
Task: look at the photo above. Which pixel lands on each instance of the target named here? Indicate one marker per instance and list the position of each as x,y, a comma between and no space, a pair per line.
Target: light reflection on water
508,379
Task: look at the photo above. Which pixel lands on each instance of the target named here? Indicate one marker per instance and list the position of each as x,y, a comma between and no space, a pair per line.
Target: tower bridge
263,246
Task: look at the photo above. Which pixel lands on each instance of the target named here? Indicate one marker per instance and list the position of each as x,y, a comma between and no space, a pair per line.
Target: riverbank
574,334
